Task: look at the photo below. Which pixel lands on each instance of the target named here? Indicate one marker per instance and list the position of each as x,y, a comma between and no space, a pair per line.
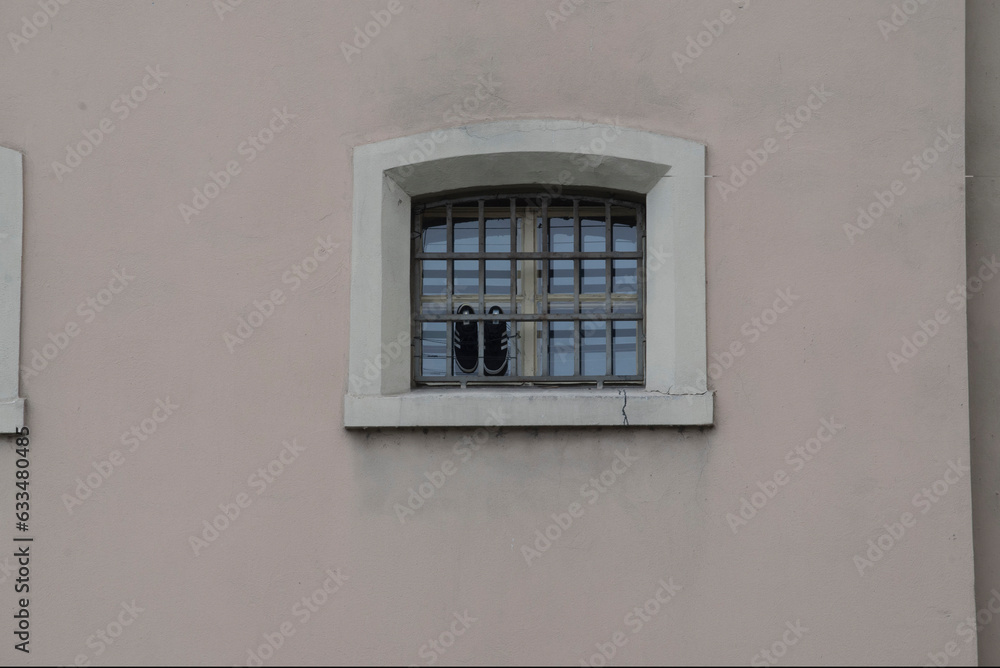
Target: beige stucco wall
162,338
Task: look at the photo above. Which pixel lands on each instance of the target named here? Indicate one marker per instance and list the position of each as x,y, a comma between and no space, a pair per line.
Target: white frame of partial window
11,225
668,171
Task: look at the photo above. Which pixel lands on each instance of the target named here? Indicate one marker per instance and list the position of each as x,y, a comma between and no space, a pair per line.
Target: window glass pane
466,222
593,229
592,279
435,239
623,278
434,230
593,351
561,277
433,361
498,277
623,229
561,349
435,277
561,235
467,279
624,347
497,232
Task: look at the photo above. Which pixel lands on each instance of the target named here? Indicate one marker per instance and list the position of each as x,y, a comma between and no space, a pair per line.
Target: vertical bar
529,284
640,271
608,268
545,286
482,285
416,328
514,340
450,288
577,263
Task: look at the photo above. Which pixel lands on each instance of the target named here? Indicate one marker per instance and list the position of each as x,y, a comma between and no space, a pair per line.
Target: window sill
528,407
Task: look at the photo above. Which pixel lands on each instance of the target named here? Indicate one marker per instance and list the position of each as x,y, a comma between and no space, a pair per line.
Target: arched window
528,273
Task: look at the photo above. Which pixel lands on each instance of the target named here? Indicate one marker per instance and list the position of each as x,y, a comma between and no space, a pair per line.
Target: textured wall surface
983,100
860,552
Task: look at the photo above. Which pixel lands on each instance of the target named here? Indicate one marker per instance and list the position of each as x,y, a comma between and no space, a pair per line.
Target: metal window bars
537,256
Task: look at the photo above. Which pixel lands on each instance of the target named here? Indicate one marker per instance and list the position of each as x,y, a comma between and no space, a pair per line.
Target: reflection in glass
561,348
467,278
561,277
593,351
623,278
592,279
498,277
623,347
434,360
498,235
435,277
593,230
561,235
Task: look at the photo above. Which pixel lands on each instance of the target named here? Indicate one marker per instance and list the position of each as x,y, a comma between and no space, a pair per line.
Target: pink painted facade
195,497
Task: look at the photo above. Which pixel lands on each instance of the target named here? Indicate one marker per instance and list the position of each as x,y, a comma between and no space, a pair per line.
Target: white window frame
11,225
668,171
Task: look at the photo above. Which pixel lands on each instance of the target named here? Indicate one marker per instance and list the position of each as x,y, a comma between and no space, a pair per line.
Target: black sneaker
466,341
495,342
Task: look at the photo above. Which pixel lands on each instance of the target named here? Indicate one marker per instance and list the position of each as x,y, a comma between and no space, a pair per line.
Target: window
401,377
11,221
527,289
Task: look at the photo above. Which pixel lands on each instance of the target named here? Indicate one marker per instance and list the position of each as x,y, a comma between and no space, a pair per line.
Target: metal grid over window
557,280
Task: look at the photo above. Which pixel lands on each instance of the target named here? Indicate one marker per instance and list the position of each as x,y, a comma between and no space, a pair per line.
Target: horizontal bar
541,196
555,297
455,380
525,317
532,255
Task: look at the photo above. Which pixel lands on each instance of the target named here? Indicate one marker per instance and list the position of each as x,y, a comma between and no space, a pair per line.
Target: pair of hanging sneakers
494,343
